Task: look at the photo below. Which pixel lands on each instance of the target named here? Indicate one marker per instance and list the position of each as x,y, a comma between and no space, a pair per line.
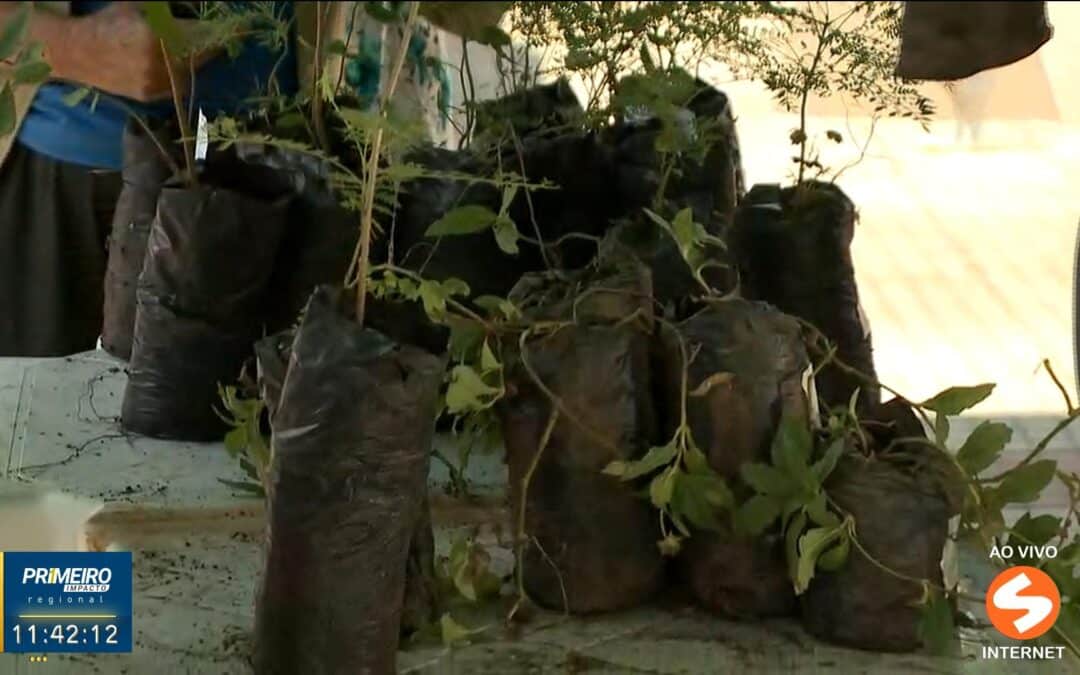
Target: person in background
426,83
60,179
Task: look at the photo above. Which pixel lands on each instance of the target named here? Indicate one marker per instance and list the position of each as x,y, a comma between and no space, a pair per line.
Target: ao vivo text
1025,551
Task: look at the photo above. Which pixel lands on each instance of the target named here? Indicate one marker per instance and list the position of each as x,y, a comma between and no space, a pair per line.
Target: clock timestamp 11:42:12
70,634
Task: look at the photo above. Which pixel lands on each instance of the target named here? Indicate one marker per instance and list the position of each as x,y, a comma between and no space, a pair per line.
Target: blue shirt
90,132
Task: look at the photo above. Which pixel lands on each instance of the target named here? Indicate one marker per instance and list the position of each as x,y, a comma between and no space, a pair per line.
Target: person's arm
113,50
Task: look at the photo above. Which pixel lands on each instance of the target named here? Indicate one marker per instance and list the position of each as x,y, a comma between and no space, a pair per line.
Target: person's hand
122,56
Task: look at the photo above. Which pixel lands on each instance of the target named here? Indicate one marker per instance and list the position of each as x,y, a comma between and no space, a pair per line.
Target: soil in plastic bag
901,513
200,297
351,442
585,202
420,606
948,41
591,541
272,362
734,422
546,108
145,171
272,355
320,234
793,248
710,186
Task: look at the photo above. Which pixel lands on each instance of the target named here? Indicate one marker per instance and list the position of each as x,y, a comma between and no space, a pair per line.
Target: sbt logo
1023,603
74,579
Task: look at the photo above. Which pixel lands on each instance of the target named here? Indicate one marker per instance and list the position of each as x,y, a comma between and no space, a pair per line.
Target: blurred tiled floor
964,259
964,256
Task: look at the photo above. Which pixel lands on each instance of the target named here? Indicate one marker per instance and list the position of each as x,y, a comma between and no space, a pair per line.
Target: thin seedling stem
181,118
519,535
596,436
807,87
317,118
371,165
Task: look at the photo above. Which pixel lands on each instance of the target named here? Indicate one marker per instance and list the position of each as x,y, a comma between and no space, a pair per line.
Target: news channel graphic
1023,602
66,602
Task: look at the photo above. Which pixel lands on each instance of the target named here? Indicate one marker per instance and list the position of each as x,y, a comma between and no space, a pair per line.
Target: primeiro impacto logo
74,579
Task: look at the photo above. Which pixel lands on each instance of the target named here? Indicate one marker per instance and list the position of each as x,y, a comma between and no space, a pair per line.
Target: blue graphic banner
66,602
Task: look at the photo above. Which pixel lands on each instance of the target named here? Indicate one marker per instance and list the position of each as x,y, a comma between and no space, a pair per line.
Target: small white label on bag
202,138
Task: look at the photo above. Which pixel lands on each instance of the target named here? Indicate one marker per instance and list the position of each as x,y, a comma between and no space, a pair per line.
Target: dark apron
54,221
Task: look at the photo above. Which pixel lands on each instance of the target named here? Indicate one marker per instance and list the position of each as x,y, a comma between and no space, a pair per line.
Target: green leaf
509,192
792,445
757,514
699,498
695,460
811,545
249,469
236,441
834,559
496,305
463,582
662,487
646,58
33,72
1037,530
956,400
983,446
491,303
616,468
677,521
161,21
434,295
655,458
1023,485
1063,571
454,286
506,235
941,429
251,488
824,466
936,628
767,480
792,533
1068,621
819,513
453,633
7,110
463,220
465,337
336,47
32,52
468,392
488,362
14,31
